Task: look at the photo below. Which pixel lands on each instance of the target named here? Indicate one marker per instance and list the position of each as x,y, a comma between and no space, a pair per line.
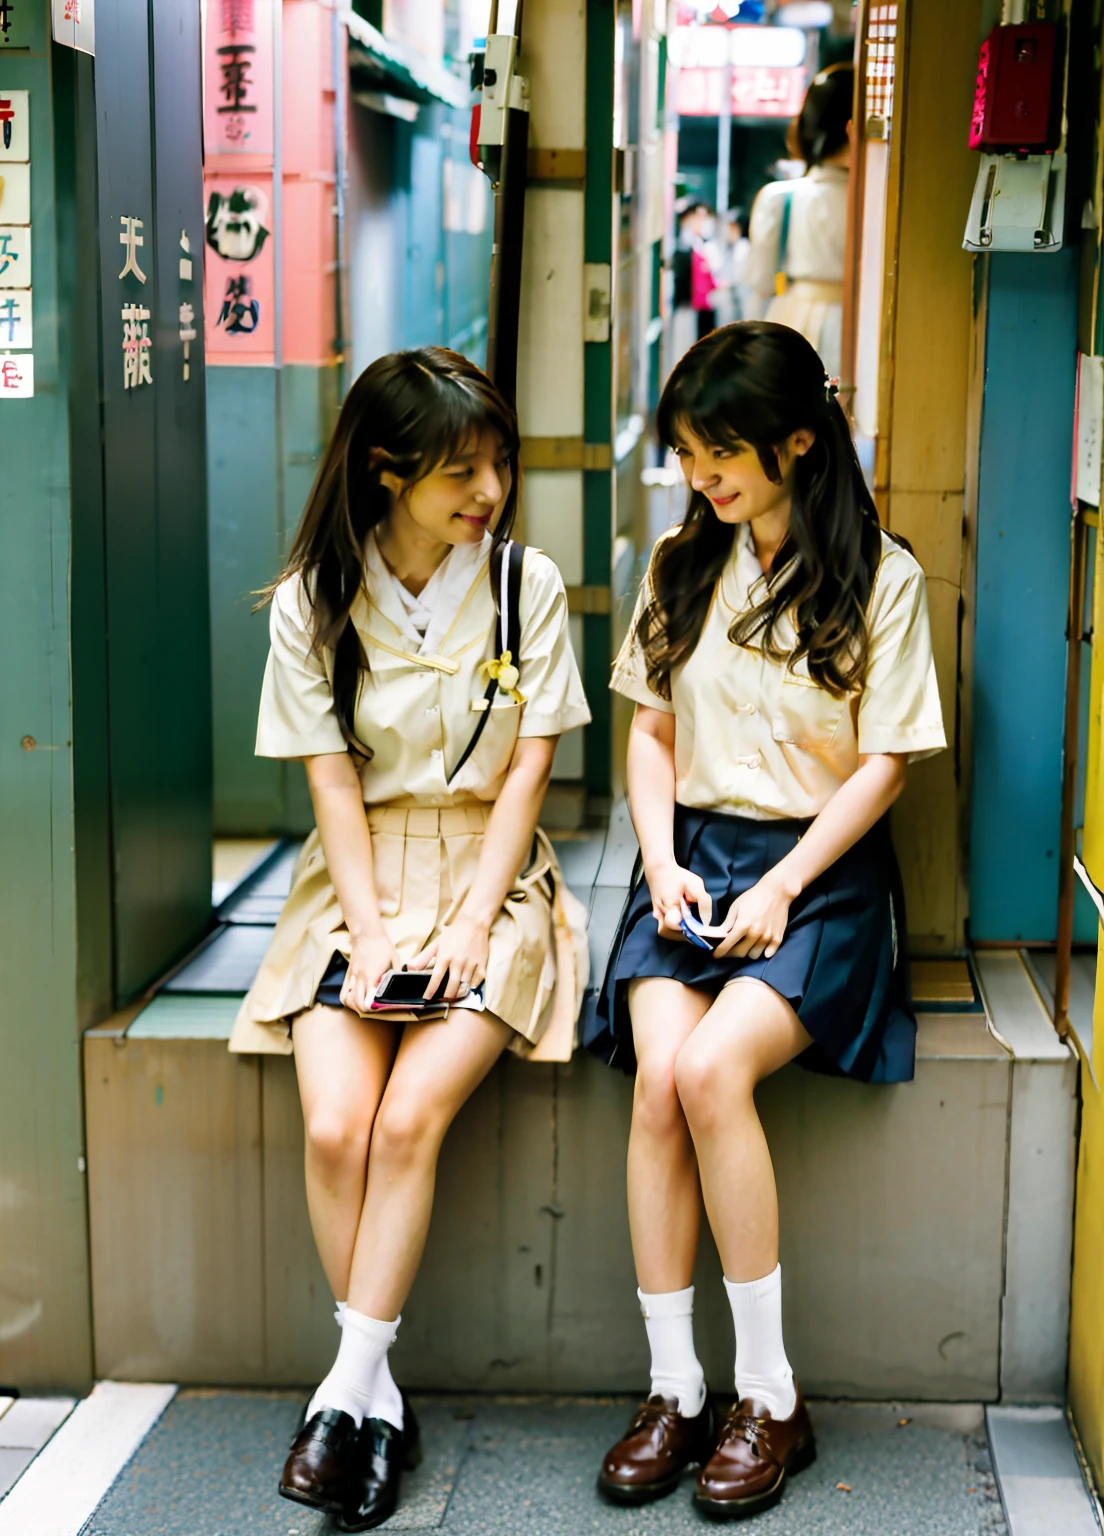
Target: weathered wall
892,1198
924,412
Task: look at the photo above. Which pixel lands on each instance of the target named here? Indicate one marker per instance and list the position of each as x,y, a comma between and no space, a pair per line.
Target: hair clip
831,388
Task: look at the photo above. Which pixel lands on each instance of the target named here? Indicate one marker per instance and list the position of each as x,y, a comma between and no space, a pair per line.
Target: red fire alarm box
1017,102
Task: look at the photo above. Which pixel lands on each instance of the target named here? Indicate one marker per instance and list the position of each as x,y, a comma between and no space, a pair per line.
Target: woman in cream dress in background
798,229
385,641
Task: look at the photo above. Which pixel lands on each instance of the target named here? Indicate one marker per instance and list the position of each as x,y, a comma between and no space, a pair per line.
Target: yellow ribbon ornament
505,674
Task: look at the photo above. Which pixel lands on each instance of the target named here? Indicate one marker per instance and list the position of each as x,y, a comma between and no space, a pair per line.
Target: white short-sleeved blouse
420,698
759,739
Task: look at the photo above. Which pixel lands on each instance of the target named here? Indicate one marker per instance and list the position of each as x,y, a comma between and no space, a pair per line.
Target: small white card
15,256
1090,428
15,318
15,193
16,376
15,133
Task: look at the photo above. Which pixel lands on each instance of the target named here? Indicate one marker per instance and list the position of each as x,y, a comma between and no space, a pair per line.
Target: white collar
426,619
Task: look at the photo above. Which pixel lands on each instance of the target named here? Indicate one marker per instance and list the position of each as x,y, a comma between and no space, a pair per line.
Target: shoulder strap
780,279
507,635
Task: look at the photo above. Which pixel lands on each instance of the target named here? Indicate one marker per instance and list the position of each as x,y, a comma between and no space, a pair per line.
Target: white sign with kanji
136,346
15,133
133,238
15,256
15,192
15,318
74,24
16,376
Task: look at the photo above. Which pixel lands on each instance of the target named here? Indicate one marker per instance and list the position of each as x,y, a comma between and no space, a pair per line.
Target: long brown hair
408,412
754,384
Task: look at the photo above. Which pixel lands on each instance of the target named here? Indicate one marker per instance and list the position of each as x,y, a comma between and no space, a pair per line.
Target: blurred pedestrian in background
729,254
695,280
799,228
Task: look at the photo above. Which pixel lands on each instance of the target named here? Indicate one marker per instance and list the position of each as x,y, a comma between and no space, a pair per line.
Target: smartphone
402,987
704,935
406,989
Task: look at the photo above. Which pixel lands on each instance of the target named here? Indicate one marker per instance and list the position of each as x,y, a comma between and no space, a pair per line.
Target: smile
477,520
724,501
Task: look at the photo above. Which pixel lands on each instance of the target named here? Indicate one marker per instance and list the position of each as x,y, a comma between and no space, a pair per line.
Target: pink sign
239,278
757,91
238,78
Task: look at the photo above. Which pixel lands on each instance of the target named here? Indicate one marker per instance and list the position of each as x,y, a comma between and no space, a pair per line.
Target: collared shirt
761,739
817,232
420,698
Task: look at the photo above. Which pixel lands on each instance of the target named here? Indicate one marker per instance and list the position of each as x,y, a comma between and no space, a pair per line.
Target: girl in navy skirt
780,661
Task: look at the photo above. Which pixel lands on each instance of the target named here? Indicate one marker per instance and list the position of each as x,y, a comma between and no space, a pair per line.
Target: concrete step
926,1227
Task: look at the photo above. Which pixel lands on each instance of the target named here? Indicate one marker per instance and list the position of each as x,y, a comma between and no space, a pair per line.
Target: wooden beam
588,600
564,453
557,165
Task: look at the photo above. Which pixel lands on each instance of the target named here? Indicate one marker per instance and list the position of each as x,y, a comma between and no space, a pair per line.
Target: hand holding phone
703,935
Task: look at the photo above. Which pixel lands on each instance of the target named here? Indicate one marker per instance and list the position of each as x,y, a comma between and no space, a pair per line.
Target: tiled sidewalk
526,1467
26,1424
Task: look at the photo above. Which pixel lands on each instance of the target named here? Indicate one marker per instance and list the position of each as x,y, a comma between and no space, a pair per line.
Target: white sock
762,1370
676,1370
386,1397
349,1386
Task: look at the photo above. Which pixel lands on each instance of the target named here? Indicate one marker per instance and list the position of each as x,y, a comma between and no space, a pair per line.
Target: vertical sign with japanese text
240,269
16,328
74,24
238,78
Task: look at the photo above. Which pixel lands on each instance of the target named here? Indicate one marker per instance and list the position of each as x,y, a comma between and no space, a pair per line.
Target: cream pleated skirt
816,310
424,863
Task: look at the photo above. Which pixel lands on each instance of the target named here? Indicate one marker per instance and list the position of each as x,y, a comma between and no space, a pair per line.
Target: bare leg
437,1068
748,1033
664,1193
342,1063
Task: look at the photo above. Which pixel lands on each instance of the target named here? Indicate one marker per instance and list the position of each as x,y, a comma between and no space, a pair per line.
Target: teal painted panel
243,494
266,434
45,1340
1022,593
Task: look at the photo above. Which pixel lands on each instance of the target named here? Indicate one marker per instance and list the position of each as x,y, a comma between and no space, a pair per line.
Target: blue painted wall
1022,586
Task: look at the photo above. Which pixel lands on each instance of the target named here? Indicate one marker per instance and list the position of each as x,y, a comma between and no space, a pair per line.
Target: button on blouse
760,739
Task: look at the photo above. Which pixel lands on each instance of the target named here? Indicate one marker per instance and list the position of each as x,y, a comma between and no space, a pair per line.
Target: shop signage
757,91
16,328
240,275
238,78
74,23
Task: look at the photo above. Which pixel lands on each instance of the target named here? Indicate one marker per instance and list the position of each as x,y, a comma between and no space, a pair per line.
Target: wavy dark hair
753,384
409,412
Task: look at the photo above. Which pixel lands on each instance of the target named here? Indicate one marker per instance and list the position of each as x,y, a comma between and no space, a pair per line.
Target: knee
404,1134
710,1083
656,1107
337,1141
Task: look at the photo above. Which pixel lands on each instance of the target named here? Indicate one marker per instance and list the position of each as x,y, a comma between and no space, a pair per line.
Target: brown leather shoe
754,1456
656,1449
322,1461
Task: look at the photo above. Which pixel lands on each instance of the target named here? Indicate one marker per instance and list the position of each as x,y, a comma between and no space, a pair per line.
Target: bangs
710,407
460,411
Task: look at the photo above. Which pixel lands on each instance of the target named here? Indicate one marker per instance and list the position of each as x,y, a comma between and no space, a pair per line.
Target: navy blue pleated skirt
841,965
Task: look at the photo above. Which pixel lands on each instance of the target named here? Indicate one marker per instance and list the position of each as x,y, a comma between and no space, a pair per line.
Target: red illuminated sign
757,91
